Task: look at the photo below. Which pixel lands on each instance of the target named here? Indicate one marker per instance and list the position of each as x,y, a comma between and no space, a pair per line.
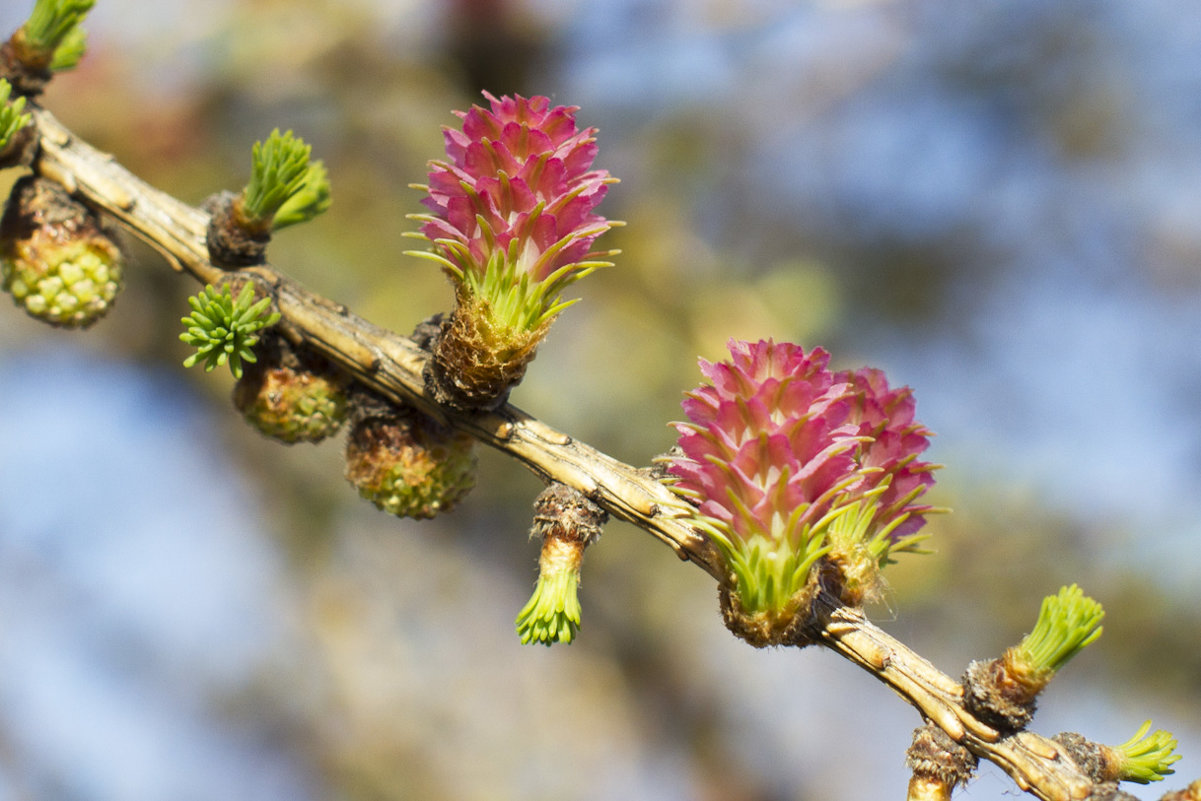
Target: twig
393,365
382,360
1036,764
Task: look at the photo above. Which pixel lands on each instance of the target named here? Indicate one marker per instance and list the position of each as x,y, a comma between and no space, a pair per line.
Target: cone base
472,371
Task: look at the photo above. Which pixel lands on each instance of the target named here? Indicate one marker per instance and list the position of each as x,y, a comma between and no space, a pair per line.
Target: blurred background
996,201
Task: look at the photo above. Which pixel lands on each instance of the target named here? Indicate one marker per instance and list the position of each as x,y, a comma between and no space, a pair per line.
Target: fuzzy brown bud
468,372
27,69
1097,761
289,396
997,695
1190,793
232,240
939,764
408,464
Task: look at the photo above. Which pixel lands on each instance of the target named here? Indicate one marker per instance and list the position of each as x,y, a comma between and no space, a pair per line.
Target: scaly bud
408,464
55,260
512,226
939,764
290,396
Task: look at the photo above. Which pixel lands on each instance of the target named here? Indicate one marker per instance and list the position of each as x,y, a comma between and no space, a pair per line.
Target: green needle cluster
11,118
312,198
224,329
553,612
285,187
1146,758
1067,623
53,29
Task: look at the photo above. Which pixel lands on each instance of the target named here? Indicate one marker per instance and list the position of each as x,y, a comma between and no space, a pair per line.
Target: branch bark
388,363
393,366
1036,764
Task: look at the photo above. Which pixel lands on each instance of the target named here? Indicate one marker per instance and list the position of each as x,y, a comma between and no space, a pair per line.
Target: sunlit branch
393,366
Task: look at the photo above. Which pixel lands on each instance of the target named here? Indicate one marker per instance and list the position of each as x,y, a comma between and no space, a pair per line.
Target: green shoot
311,199
53,26
1146,758
553,612
11,118
280,171
68,54
1067,623
224,329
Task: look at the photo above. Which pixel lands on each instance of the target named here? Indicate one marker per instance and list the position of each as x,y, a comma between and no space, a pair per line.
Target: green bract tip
1146,758
311,199
553,612
224,329
1067,623
11,118
68,54
280,170
53,26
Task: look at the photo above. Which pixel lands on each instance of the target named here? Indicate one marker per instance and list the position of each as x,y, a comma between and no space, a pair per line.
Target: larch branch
393,366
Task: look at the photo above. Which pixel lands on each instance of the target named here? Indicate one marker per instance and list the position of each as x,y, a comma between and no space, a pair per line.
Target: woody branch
393,366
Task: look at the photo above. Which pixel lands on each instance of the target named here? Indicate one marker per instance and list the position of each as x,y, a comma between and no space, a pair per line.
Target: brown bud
408,464
1099,762
788,626
24,67
232,240
566,514
291,396
997,696
937,760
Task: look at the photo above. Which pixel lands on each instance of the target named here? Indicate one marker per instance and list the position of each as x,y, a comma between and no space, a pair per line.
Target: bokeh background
997,201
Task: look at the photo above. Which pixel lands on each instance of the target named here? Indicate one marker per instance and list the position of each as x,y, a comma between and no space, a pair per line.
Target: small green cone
291,399
55,260
410,466
553,612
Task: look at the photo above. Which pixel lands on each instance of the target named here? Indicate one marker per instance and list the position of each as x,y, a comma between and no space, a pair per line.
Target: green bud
1067,623
313,198
11,118
280,170
1146,758
55,260
68,54
409,465
53,26
223,329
